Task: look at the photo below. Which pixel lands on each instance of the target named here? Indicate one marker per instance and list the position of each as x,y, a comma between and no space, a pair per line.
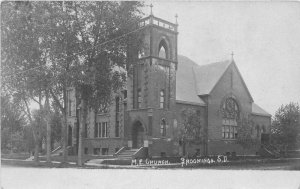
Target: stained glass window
230,113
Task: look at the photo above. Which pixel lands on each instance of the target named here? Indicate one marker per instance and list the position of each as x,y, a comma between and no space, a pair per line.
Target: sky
264,37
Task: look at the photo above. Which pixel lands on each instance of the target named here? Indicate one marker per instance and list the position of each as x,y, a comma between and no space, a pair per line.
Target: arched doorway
69,135
137,135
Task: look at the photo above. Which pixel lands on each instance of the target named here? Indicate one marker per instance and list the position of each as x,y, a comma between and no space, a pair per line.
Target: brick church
145,117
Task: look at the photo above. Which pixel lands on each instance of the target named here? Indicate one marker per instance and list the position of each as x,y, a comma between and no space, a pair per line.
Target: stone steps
127,154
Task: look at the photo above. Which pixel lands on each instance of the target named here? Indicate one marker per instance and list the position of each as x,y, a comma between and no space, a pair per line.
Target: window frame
96,151
229,131
163,127
104,151
101,130
163,45
162,52
162,98
230,119
139,98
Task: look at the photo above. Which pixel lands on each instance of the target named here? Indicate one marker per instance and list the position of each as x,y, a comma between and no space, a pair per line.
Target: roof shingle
258,110
207,76
185,81
193,80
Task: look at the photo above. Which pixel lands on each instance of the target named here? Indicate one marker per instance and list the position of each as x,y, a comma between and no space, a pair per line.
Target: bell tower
151,84
155,69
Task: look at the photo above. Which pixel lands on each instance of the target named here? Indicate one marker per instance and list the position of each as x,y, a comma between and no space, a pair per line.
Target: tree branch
27,110
57,101
35,100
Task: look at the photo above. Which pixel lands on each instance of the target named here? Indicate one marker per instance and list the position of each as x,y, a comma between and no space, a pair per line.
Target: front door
137,135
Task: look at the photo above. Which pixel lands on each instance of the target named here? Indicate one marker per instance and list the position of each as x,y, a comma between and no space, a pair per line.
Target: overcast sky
264,36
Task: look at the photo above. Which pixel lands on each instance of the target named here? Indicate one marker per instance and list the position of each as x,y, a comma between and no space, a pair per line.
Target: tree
244,134
23,51
12,124
50,46
192,130
285,127
94,75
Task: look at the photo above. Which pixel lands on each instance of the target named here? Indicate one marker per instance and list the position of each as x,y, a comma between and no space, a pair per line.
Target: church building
145,117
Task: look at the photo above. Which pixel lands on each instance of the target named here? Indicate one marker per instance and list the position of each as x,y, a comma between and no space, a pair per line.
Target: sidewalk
98,163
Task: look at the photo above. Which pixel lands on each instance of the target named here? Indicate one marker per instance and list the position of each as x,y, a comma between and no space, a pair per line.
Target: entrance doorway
137,135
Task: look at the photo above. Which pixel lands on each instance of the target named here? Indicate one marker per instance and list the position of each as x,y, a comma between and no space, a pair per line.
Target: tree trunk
81,126
48,129
64,139
36,151
64,125
48,142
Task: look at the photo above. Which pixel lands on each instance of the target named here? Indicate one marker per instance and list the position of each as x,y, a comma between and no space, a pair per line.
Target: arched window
230,111
162,99
163,127
163,50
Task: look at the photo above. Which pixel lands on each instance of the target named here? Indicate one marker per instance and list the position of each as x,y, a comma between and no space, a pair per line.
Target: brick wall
223,90
110,143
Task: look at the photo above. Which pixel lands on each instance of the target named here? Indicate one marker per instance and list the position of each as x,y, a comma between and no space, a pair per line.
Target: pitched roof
207,76
258,110
186,82
193,80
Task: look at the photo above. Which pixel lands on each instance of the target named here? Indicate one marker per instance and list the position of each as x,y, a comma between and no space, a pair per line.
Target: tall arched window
163,50
139,104
162,99
163,127
230,112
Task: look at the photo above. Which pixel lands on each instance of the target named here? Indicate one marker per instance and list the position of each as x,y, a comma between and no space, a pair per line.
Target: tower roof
158,22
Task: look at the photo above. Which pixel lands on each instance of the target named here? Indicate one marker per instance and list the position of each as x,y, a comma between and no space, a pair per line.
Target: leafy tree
23,51
56,125
244,134
49,46
192,130
285,127
12,124
29,139
93,73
